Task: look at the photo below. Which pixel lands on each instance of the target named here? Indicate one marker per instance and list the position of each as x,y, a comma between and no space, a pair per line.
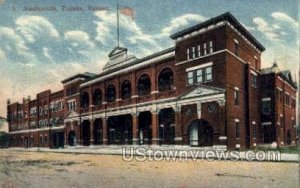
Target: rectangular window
287,99
236,48
199,76
236,97
208,74
254,130
266,107
281,122
256,63
199,50
211,48
190,78
193,52
237,130
204,49
253,80
187,54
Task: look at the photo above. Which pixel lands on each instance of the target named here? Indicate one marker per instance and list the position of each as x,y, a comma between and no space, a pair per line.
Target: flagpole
118,32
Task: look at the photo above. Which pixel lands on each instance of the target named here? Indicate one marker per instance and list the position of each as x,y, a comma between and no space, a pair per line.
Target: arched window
144,85
111,93
97,97
85,101
126,90
165,80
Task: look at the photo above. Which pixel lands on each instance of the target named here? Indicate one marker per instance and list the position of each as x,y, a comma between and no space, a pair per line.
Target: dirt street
43,169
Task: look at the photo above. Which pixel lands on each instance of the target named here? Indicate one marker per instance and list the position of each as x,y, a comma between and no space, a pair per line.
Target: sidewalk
176,151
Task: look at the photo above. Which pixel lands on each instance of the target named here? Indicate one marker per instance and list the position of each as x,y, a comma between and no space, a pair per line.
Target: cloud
13,46
133,36
35,28
268,30
280,16
180,22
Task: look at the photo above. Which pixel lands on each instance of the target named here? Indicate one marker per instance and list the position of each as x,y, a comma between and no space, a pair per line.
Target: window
193,52
254,130
287,99
211,49
293,101
200,75
204,49
190,77
279,94
199,50
97,97
208,74
255,62
237,130
187,54
236,48
266,107
281,121
236,97
126,90
71,91
111,93
144,85
71,105
85,100
253,80
165,80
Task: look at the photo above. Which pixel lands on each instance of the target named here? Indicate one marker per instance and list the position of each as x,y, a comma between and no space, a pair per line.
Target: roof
116,51
223,17
285,74
83,75
137,61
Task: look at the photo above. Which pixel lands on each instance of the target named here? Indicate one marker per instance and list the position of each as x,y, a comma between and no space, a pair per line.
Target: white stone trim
236,120
266,123
199,66
253,122
178,139
236,41
236,88
38,129
201,57
252,72
266,99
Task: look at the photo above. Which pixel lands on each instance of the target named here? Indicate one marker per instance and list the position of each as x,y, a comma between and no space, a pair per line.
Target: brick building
207,90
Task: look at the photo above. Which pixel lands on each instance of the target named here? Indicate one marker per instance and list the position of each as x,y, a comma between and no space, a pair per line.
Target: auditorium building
209,90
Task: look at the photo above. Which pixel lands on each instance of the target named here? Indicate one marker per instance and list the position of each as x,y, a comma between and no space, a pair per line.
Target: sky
41,43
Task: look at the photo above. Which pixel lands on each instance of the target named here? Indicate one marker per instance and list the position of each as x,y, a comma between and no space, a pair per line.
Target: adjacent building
207,90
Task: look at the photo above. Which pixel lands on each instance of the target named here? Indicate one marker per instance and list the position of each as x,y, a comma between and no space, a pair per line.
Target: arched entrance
120,129
201,133
166,119
98,134
86,133
145,130
72,139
